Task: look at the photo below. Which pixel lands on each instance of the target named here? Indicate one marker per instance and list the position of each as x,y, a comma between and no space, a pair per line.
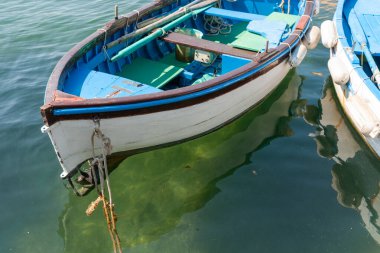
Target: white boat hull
72,138
358,102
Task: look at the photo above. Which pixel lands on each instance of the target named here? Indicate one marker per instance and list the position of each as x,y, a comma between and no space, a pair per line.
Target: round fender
339,74
329,34
312,37
298,55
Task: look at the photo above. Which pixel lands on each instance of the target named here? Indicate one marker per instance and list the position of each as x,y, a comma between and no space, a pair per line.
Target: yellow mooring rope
99,164
111,218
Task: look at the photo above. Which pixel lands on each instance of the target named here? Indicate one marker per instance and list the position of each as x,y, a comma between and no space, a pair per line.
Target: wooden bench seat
206,45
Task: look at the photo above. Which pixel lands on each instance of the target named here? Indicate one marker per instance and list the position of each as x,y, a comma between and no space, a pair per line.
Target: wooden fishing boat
354,42
169,72
168,194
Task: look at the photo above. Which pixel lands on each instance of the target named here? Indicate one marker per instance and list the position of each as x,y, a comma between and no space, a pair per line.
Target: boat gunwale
265,60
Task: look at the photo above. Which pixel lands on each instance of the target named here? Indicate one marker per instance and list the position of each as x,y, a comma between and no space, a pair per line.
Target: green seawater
288,176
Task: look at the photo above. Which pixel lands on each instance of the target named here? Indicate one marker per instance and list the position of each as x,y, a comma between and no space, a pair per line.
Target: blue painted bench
230,63
234,15
102,85
364,20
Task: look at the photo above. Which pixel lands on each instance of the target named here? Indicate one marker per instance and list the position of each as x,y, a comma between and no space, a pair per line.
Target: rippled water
289,176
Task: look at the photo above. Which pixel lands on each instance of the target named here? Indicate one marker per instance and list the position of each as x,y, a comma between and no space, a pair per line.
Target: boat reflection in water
356,173
154,190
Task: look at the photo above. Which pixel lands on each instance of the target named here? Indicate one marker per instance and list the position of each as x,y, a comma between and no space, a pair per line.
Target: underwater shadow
356,172
153,190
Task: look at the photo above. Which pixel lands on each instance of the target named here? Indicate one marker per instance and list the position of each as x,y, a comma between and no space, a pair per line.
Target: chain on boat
99,170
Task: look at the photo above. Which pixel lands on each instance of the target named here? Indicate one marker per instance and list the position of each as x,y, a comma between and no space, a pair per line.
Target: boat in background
169,72
355,171
354,43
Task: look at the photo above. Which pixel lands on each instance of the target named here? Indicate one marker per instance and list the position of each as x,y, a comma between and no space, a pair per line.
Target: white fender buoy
339,74
329,34
316,7
298,55
364,119
312,37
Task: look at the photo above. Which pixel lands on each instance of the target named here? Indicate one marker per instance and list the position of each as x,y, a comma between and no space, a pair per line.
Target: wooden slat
206,45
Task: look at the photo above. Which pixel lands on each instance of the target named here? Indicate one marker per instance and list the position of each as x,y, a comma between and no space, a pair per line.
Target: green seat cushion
239,37
250,41
287,18
150,72
254,42
236,29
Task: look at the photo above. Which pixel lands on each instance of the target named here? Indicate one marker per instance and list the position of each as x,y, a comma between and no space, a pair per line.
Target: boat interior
218,40
361,23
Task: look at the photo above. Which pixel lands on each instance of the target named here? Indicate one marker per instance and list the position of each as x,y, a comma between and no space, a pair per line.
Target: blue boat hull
353,66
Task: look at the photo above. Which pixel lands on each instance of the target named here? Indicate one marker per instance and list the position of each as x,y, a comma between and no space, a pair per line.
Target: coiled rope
215,26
